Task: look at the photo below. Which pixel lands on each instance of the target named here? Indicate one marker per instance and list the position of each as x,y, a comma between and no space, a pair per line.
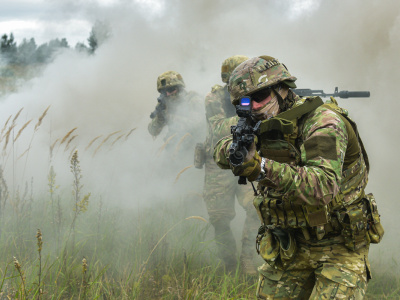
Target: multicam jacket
220,115
315,168
182,116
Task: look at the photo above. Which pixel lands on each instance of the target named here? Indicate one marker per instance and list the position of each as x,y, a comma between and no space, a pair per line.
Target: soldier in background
179,118
177,109
312,171
220,187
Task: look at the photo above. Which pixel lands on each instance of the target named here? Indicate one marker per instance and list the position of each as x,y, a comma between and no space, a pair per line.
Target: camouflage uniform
312,170
181,114
220,187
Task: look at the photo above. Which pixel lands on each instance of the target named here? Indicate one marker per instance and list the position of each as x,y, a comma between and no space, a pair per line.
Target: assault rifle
242,135
337,93
160,107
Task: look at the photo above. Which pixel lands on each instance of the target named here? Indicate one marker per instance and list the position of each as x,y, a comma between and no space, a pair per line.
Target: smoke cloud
353,45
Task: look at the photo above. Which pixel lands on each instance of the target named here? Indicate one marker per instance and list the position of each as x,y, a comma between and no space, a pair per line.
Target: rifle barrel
337,93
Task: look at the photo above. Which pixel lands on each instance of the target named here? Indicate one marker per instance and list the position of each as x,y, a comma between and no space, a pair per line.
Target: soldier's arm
157,124
318,178
221,152
216,117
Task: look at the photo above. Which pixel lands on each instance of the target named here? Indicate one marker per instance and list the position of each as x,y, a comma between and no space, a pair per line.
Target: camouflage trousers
220,189
330,272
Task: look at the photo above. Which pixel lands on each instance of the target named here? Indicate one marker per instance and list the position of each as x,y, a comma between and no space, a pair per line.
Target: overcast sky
71,19
47,19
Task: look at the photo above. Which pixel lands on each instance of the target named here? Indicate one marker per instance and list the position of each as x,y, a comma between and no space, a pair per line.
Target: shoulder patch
321,146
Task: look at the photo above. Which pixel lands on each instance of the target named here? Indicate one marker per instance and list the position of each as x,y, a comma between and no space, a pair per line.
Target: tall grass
58,245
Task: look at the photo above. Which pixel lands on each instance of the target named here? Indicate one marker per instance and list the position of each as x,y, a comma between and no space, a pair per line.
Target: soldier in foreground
177,109
220,187
312,171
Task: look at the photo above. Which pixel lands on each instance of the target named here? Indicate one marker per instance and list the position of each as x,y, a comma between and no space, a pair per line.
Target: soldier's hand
251,167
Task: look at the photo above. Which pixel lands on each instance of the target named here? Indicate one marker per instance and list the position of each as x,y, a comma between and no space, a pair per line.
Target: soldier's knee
220,217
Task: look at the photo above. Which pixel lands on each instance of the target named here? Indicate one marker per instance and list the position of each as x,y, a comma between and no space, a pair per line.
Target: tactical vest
280,140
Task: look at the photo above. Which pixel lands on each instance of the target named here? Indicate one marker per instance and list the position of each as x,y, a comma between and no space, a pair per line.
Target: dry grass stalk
17,115
197,218
116,140
180,173
105,140
52,147
21,274
165,144
69,142
5,126
8,136
22,129
25,152
67,135
92,141
41,118
110,135
178,146
129,133
39,244
84,282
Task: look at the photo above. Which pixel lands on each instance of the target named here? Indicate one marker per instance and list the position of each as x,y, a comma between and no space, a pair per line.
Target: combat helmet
230,64
169,79
258,73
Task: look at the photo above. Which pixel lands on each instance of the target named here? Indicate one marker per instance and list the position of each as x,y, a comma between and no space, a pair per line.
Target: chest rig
280,140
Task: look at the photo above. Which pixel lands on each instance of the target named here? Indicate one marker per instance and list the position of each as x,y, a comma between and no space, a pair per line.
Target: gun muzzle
237,157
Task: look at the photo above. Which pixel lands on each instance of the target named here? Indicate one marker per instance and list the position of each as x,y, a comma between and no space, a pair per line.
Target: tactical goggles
169,90
261,95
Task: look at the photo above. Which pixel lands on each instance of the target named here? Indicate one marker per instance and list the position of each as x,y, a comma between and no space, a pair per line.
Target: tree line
28,52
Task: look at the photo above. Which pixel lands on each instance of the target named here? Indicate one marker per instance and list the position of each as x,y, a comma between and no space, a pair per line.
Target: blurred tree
100,32
8,48
26,52
81,47
47,51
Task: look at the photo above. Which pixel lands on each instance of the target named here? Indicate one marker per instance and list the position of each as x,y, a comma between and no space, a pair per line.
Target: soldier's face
171,91
264,104
260,99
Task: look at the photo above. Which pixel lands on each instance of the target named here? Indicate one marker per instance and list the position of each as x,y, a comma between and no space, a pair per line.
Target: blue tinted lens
245,101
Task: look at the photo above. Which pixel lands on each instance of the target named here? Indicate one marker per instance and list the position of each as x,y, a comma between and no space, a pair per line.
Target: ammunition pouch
361,223
199,155
375,229
354,226
276,246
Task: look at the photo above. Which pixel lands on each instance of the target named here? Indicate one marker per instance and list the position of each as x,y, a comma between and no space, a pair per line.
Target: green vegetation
86,250
76,247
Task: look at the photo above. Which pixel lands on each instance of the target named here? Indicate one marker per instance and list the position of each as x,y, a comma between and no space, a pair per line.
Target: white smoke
353,45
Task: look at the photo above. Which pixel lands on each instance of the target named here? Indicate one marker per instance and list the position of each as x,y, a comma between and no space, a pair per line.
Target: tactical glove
251,167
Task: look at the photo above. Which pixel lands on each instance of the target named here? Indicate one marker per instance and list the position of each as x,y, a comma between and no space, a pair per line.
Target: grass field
61,245
88,250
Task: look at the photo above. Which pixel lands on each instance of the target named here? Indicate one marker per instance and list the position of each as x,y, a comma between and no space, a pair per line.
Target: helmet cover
255,74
